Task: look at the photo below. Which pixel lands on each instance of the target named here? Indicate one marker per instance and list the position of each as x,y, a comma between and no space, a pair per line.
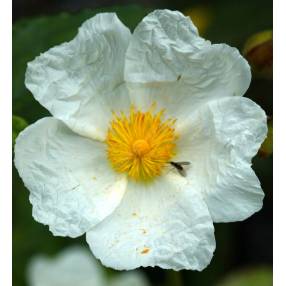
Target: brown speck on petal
94,178
134,214
144,231
145,250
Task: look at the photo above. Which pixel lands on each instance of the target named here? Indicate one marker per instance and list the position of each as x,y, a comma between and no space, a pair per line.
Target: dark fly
179,167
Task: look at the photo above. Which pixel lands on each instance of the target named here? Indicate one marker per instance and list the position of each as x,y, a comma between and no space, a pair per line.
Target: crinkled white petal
160,47
219,141
71,185
131,278
74,266
165,223
81,81
168,63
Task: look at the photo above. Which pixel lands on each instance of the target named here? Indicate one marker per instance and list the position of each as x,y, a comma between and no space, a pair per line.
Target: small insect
179,167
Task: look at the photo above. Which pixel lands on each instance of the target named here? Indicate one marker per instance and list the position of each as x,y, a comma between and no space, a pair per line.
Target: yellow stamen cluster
140,144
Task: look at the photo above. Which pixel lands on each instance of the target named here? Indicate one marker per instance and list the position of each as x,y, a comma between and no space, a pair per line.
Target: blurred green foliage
202,17
259,276
18,124
267,146
258,50
232,22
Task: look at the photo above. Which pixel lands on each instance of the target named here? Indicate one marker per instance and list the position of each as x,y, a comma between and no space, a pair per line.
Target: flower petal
220,141
72,187
160,45
80,81
178,69
165,223
72,267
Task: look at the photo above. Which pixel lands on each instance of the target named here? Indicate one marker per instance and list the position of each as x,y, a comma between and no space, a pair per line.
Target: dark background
240,245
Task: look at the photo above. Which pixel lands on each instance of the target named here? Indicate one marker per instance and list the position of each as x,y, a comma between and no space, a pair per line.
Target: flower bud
258,50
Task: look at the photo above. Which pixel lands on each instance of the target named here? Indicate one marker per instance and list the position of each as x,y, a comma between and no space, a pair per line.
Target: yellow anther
140,144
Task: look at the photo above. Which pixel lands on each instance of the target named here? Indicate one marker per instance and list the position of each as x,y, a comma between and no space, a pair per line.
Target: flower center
141,147
140,144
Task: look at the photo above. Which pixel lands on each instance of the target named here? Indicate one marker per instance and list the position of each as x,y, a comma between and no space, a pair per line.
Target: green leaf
34,36
18,124
258,276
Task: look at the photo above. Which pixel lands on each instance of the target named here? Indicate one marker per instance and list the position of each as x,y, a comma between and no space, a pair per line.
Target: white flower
124,107
76,267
